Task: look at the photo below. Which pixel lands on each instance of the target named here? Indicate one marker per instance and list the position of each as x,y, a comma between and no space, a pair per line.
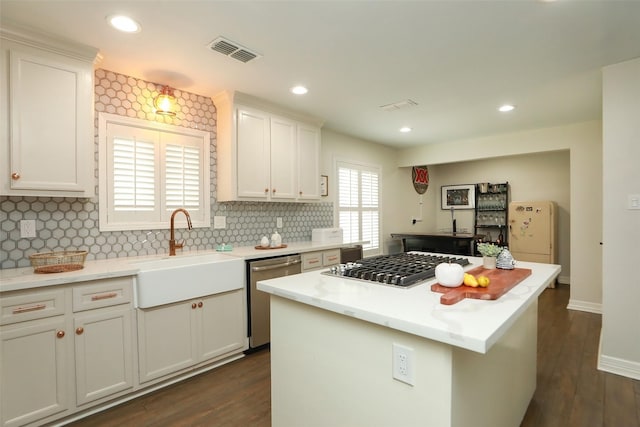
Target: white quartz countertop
24,278
471,324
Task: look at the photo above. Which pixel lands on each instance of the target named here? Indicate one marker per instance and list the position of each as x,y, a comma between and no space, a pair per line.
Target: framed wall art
458,196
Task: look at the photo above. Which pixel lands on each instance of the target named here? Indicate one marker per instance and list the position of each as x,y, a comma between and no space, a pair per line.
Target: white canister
276,240
264,242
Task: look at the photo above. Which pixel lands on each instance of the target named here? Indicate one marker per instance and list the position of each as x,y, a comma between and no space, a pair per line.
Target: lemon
470,280
483,281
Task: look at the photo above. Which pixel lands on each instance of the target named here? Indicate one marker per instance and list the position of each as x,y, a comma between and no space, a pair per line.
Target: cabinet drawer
331,257
311,260
31,305
102,293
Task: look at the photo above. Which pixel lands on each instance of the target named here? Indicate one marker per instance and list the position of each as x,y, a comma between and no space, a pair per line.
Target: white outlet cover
219,222
27,228
633,201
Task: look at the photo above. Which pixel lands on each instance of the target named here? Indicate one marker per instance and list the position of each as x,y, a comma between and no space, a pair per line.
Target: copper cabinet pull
60,334
104,296
30,308
274,191
266,190
15,176
79,330
314,261
200,304
193,306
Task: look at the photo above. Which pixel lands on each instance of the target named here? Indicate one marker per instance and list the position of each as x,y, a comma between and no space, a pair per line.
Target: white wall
620,341
584,142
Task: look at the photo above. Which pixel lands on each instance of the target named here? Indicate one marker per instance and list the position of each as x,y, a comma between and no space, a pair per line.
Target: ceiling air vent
398,105
232,49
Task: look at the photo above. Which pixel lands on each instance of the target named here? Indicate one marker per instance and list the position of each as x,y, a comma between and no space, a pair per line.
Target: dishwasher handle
274,266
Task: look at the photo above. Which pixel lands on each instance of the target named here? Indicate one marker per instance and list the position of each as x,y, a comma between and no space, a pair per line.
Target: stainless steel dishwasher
259,313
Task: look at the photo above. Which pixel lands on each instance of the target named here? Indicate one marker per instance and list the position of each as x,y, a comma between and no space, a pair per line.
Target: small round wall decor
420,178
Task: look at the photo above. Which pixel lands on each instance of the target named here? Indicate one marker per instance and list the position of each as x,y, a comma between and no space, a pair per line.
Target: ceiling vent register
398,105
233,50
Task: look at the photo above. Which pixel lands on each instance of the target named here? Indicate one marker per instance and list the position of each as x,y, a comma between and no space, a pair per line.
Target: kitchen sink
178,278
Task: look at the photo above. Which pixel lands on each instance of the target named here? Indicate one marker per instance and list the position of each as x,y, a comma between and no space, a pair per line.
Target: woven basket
58,262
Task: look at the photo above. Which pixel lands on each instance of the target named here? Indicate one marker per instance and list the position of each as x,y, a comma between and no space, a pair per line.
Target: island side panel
494,389
329,369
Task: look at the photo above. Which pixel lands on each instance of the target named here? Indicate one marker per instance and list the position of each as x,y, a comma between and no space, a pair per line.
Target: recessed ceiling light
124,24
405,129
506,108
299,90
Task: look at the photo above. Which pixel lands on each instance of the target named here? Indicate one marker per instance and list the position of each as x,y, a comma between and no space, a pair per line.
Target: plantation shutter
358,204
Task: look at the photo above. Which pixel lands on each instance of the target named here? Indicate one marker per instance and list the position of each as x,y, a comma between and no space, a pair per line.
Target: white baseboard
590,307
613,365
564,280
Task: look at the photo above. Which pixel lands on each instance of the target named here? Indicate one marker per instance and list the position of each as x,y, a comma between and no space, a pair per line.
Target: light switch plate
633,201
219,222
279,222
27,228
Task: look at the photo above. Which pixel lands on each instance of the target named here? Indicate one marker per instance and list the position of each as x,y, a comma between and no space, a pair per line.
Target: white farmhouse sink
178,278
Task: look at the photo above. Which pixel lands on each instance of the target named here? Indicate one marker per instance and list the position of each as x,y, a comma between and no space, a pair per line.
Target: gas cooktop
403,270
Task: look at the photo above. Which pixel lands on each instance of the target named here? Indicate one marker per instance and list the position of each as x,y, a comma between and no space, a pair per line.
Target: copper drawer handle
314,261
60,334
30,308
79,330
193,306
200,304
15,176
104,296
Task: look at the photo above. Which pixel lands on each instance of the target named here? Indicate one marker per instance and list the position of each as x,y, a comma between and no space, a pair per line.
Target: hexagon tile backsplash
72,224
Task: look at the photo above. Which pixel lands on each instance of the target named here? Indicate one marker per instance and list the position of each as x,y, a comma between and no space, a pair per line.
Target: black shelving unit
491,213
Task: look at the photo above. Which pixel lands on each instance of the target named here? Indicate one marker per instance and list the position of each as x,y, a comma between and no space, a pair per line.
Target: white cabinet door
49,145
165,339
283,159
34,377
103,349
253,154
308,162
222,326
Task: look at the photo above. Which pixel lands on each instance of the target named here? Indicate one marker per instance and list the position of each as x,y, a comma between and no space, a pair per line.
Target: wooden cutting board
501,281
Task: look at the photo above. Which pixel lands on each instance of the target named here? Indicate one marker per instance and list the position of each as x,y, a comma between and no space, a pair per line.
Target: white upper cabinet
46,102
308,162
264,153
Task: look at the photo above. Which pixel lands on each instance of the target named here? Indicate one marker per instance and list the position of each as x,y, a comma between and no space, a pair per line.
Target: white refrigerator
532,231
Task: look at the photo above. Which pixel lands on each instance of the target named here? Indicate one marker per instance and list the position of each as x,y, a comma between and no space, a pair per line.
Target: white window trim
362,165
103,179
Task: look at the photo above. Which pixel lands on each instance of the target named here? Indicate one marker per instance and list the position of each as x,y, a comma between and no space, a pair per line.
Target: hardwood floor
571,392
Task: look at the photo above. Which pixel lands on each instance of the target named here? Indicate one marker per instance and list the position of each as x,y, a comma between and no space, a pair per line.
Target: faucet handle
180,244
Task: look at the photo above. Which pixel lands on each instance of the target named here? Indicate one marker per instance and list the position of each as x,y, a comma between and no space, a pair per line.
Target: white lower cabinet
35,377
320,259
103,349
177,336
46,335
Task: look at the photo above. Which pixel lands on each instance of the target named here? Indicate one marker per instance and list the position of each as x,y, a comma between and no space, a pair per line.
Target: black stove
401,270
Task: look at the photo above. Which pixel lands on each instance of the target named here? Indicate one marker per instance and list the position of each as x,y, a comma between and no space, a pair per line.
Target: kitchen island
470,364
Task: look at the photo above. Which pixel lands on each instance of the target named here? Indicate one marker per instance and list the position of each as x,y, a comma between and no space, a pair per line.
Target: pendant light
165,102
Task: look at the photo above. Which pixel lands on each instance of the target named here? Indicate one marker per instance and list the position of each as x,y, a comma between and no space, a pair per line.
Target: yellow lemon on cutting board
470,280
483,281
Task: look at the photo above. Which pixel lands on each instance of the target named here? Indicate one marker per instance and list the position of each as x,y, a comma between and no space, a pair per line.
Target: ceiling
458,60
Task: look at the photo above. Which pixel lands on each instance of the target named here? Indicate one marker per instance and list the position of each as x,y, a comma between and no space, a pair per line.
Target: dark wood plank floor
571,392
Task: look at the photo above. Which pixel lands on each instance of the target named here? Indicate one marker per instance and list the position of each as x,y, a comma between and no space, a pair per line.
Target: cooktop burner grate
401,270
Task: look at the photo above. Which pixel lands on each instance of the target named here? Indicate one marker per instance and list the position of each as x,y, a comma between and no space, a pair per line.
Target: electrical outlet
633,201
27,228
279,222
403,364
219,222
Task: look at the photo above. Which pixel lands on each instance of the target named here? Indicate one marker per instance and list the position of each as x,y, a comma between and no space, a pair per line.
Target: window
358,204
147,170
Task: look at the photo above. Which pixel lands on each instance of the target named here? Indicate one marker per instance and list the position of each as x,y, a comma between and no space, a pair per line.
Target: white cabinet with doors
178,336
46,116
64,348
265,153
103,338
35,349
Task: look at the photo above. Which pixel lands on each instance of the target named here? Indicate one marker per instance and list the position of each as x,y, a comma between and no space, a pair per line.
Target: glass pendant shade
165,103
